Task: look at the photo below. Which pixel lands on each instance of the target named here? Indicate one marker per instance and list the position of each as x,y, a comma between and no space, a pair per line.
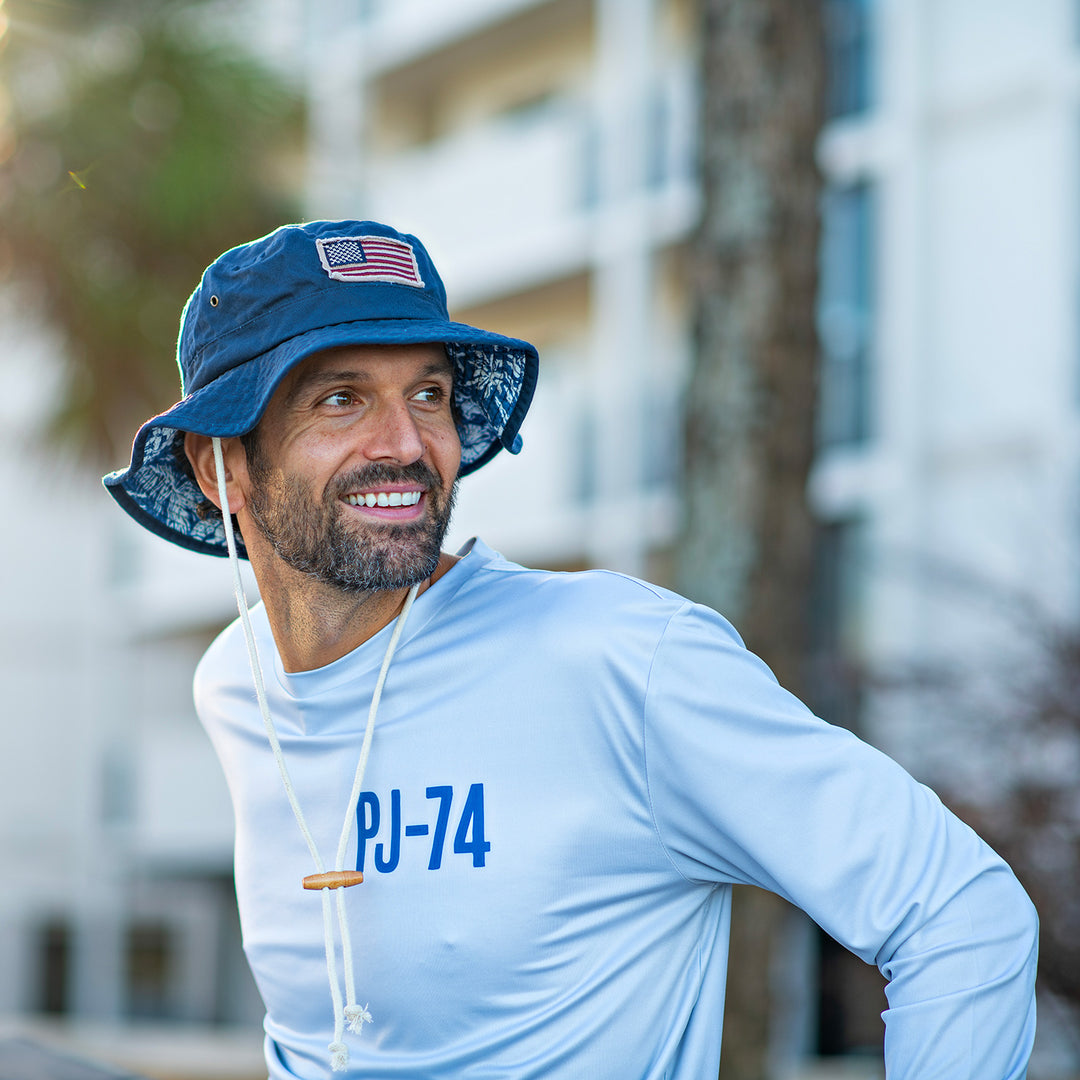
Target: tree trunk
746,547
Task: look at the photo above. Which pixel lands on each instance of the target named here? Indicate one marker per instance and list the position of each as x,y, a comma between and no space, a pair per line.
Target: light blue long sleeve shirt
569,773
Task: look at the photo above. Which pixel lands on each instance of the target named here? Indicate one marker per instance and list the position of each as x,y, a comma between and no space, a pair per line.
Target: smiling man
488,818
402,394
344,492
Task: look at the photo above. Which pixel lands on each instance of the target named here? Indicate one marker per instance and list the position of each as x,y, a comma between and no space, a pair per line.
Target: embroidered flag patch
369,258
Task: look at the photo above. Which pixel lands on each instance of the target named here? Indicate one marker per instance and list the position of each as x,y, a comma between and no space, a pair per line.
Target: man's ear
200,452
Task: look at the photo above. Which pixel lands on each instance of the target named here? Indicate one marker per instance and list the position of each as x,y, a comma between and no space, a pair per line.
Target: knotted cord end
356,1016
339,1056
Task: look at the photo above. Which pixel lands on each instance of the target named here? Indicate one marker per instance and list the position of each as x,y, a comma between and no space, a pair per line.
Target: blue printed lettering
385,865
445,796
469,837
472,820
367,824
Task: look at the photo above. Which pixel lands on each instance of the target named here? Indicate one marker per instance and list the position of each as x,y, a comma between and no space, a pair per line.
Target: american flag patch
369,258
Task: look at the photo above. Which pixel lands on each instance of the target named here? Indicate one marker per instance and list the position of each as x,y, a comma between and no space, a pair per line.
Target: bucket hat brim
262,308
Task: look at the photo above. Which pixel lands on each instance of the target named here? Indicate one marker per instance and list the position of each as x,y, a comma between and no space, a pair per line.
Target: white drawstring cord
253,654
352,1015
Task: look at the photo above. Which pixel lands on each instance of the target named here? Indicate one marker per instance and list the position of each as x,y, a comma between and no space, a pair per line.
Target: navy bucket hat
263,307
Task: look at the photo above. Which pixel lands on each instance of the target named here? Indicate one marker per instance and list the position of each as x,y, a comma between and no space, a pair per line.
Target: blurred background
805,281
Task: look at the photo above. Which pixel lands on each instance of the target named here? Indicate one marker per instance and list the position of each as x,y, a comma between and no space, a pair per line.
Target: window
150,970
850,994
661,436
658,127
589,196
845,315
836,621
117,785
586,438
851,999
848,57
54,967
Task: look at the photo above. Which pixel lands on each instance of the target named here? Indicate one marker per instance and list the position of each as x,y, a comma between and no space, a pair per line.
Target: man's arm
748,786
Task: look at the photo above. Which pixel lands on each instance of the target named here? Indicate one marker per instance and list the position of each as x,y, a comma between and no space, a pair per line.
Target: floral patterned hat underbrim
229,380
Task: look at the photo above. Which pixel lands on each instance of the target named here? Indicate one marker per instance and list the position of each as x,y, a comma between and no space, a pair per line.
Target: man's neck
315,624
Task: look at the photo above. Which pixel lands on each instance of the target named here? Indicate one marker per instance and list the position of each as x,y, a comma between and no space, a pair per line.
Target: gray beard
317,539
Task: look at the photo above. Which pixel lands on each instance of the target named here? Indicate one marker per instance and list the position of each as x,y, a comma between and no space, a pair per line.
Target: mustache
375,474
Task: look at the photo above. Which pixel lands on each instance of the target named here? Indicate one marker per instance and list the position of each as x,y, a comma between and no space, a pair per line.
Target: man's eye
338,399
432,395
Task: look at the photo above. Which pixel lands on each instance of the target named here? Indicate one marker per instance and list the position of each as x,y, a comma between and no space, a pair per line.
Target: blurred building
545,152
948,315
116,902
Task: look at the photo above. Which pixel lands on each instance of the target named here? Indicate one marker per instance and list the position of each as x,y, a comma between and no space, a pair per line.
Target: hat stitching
335,274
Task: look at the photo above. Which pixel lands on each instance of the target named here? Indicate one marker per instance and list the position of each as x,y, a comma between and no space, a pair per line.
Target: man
549,781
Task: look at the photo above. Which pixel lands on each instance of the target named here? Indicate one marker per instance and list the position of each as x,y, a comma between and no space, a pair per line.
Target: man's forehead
367,361
422,354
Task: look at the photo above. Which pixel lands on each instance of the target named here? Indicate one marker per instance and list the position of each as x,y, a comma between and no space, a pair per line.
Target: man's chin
356,568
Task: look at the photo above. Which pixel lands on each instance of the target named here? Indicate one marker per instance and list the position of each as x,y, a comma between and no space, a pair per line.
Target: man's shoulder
592,595
592,620
574,581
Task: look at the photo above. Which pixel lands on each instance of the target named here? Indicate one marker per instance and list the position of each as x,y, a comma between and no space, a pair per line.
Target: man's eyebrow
310,381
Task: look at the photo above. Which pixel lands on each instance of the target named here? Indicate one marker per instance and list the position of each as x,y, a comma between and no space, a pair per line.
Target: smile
384,498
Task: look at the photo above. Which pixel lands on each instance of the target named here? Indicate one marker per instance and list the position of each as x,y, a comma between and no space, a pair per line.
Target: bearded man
550,781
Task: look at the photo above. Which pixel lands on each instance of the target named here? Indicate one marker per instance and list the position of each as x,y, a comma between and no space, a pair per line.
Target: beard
318,538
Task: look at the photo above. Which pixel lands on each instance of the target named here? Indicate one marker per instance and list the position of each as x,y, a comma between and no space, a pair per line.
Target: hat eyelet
214,301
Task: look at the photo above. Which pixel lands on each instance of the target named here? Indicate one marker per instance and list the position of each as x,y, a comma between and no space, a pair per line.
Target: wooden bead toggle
335,879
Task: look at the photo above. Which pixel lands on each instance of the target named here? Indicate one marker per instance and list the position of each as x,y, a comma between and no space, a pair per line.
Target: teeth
384,498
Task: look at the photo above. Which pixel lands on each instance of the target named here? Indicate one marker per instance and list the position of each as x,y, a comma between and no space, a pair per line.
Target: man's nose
393,435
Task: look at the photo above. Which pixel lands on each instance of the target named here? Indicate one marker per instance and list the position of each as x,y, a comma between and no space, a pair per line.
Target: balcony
519,199
398,32
502,206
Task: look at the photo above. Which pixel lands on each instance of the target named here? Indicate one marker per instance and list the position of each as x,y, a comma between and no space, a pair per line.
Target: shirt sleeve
748,786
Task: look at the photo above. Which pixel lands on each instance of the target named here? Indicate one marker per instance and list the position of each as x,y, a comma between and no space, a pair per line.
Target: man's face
353,467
